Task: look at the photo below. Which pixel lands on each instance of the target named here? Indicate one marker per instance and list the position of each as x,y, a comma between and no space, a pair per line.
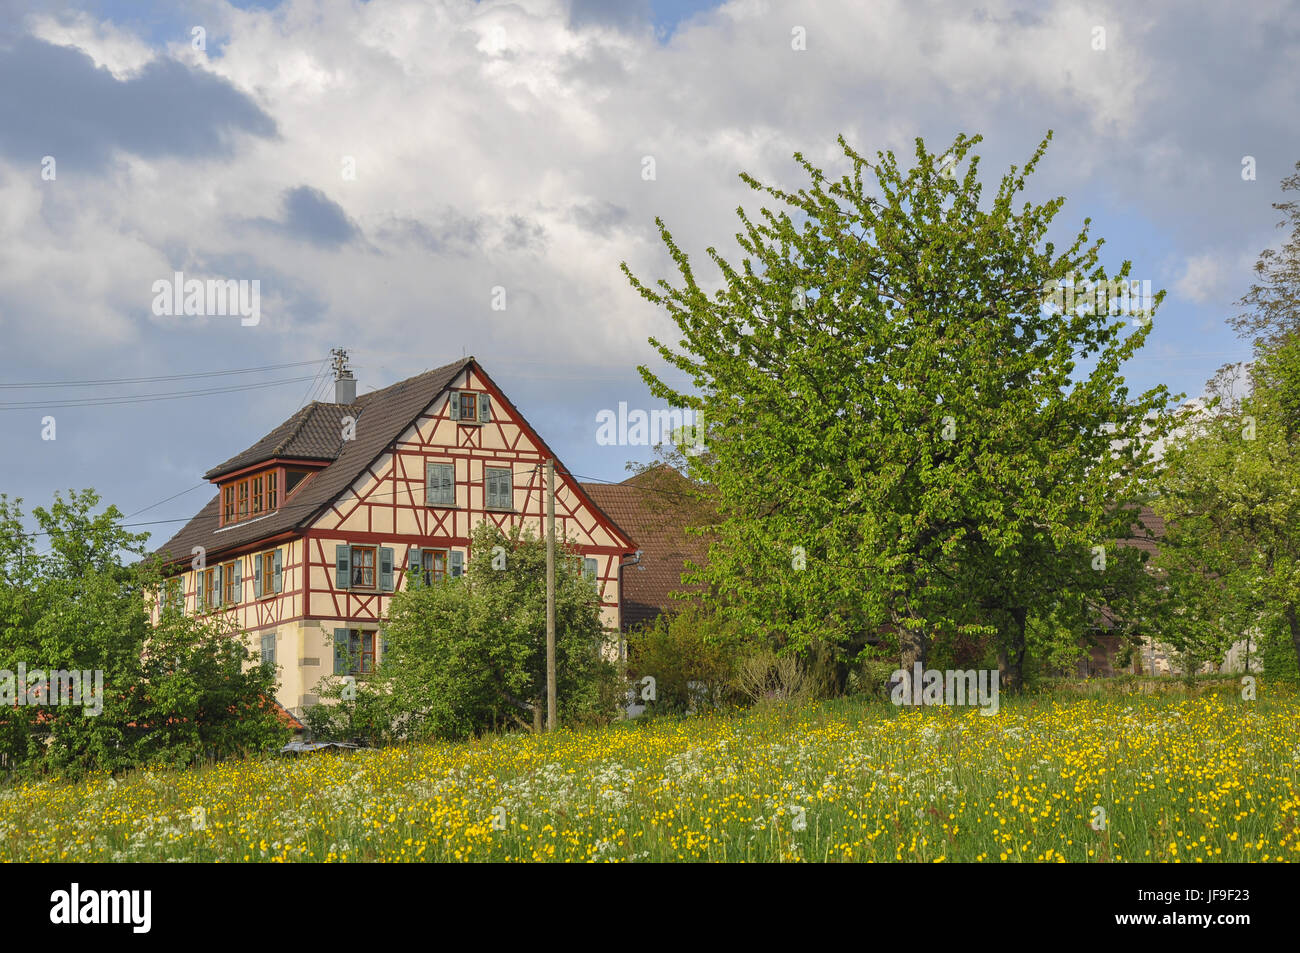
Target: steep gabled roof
655,508
316,433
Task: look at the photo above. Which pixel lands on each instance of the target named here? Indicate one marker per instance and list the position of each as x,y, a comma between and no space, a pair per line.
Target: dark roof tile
314,432
654,508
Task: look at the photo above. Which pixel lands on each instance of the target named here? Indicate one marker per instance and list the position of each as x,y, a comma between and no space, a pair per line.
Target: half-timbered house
314,527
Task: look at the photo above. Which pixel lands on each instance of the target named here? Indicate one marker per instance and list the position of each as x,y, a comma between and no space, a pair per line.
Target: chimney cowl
345,385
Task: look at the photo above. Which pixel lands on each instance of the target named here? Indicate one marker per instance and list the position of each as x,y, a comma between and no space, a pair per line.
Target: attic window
469,407
252,496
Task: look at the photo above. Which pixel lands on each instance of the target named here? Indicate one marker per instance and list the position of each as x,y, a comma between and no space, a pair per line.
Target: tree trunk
1294,623
913,647
1011,658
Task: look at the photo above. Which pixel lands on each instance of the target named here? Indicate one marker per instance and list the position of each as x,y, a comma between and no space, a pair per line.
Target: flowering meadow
1122,778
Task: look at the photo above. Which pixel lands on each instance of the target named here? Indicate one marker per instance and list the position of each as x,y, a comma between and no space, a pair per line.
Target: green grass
1179,778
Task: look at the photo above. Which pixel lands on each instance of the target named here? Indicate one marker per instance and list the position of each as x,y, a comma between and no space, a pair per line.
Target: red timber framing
385,507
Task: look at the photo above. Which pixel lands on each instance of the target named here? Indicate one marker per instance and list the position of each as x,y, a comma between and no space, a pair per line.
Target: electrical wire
142,398
167,377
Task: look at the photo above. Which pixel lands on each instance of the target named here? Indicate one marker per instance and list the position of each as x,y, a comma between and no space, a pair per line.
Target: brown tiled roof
310,434
1145,533
654,508
315,432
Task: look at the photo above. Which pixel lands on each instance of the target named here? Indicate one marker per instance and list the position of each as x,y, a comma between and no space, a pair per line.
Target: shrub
468,655
692,656
765,677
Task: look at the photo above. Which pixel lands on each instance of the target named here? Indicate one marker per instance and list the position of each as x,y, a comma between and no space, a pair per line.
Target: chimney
345,385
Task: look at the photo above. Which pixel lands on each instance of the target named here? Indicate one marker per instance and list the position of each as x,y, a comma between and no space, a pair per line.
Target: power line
142,398
165,377
168,500
311,388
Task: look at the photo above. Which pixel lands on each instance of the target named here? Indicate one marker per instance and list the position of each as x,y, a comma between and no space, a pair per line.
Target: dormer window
249,497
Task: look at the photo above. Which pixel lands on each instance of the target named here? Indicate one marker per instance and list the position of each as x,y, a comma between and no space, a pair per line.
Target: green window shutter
439,484
386,568
457,561
277,573
484,408
342,566
239,580
454,406
498,489
220,577
198,592
257,576
383,646
268,648
591,570
413,559
341,654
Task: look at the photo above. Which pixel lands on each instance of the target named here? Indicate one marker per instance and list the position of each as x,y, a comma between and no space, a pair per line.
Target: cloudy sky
380,168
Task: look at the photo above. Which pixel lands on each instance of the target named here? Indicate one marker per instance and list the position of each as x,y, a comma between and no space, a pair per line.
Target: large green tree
1231,501
1230,487
902,437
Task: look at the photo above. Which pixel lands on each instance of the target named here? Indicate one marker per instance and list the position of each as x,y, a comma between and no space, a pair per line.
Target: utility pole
551,719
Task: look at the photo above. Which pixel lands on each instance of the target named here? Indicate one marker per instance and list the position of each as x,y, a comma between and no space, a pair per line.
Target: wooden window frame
251,496
357,654
206,580
229,596
472,397
267,562
431,574
353,567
